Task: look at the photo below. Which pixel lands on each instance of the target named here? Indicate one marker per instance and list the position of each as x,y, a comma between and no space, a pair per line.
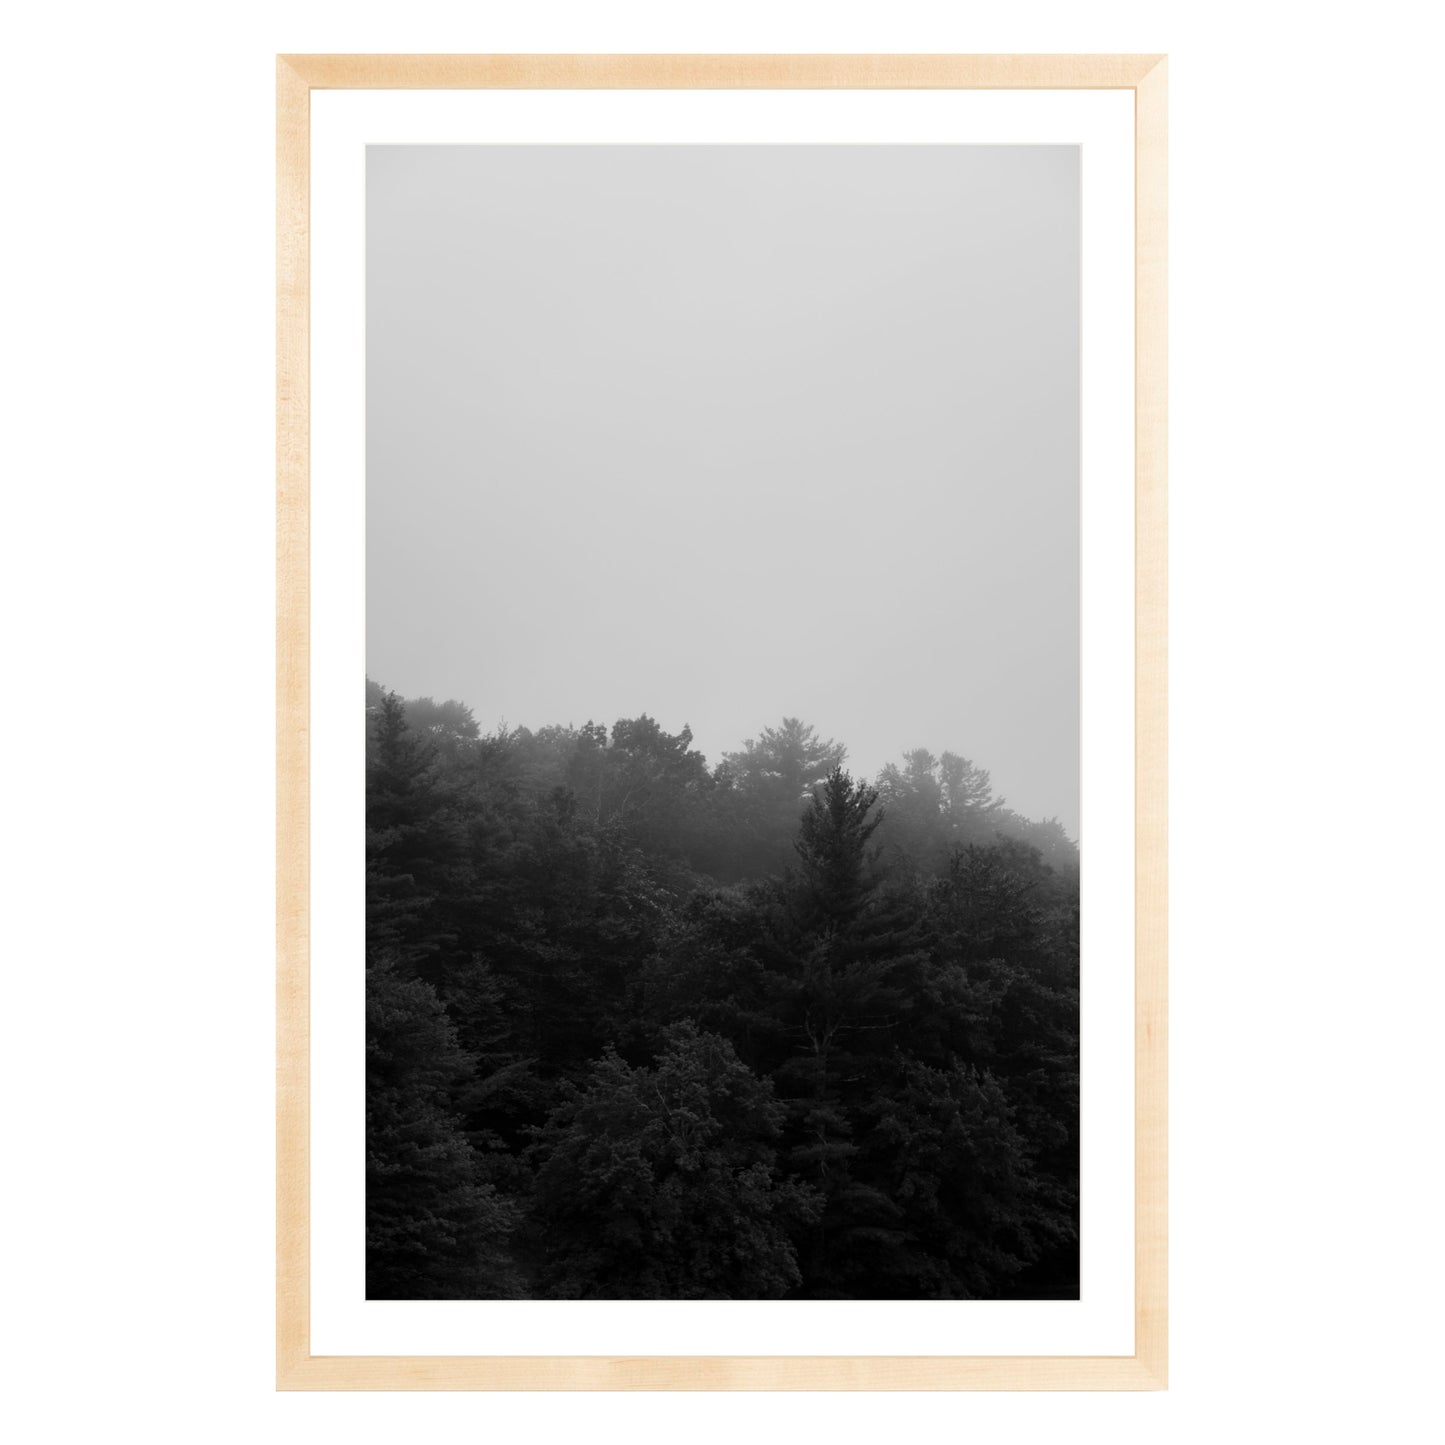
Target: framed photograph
726,949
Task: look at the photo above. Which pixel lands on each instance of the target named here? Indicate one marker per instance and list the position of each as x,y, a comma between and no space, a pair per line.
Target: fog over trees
644,1026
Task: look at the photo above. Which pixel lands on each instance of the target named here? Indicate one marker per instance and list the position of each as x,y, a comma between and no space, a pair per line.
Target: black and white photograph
722,722
741,727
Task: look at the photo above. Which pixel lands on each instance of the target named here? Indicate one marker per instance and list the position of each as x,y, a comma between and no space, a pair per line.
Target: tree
933,805
975,1214
1006,925
707,968
657,786
832,846
785,763
640,1029
448,725
660,1182
435,1229
855,966
410,840
772,779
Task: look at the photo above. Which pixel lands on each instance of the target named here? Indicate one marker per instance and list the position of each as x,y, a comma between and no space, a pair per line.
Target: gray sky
724,433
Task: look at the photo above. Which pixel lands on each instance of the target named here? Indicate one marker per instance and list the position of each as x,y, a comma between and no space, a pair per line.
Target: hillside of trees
641,1027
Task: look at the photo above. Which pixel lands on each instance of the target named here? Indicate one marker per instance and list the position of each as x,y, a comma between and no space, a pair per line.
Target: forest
639,1027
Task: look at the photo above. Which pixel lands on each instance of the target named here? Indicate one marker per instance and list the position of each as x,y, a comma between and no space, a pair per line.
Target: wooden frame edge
1151,721
700,1373
293,714
296,1367
729,72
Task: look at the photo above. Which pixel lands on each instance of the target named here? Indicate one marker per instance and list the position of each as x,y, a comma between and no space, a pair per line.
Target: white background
342,1320
138,337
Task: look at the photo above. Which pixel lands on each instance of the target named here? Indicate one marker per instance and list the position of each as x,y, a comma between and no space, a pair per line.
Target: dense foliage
641,1028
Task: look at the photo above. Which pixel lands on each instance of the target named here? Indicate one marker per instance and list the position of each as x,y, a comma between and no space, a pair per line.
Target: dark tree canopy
661,1181
641,1028
435,1228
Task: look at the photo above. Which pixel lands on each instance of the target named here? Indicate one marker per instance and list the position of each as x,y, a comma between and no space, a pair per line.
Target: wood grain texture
293,720
1151,723
296,1367
711,1372
721,72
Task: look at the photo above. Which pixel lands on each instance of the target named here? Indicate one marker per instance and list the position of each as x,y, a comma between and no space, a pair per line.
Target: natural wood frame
296,1367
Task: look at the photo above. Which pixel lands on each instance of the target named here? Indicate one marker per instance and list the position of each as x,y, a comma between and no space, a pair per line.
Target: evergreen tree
772,780
410,838
435,1229
854,962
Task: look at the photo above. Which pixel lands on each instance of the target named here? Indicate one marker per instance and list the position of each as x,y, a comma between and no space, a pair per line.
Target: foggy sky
722,433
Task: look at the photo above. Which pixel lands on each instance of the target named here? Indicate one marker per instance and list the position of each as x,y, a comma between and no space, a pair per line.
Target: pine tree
854,958
413,839
772,780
